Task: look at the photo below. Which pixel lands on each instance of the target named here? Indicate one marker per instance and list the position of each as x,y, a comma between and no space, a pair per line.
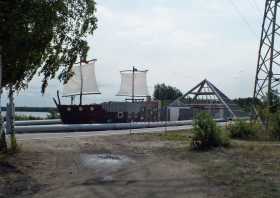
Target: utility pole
267,77
133,82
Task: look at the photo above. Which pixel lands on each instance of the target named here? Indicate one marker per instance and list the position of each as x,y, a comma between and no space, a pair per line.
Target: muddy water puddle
103,162
104,165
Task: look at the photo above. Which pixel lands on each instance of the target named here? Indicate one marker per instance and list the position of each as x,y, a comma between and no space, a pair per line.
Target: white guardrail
55,128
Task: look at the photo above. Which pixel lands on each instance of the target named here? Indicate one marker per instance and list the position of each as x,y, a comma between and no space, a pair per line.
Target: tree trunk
3,143
10,121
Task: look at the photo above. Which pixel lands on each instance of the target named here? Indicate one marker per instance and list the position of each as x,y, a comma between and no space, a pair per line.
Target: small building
204,97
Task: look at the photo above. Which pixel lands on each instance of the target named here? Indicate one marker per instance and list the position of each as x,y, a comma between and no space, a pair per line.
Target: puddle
105,162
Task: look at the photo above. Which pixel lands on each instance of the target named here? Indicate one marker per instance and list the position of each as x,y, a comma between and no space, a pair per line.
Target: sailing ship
83,82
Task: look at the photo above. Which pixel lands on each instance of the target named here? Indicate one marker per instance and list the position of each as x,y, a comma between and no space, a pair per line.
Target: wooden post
81,75
72,100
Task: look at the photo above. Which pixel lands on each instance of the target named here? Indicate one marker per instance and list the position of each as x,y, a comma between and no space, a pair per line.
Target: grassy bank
246,169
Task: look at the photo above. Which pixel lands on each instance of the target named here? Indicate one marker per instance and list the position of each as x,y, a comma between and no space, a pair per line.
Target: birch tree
43,36
3,144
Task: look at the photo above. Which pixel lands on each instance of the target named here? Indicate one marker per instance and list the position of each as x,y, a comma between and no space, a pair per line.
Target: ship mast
83,81
133,84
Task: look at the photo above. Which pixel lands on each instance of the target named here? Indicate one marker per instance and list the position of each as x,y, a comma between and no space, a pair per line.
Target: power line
255,6
238,11
258,7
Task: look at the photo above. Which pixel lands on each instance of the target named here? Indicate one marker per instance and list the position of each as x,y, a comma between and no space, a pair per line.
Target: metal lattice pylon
268,69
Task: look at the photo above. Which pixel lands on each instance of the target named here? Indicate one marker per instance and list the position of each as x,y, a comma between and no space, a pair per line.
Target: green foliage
26,117
50,115
53,115
271,119
241,129
164,92
275,101
273,105
274,126
174,136
246,103
43,34
207,134
3,143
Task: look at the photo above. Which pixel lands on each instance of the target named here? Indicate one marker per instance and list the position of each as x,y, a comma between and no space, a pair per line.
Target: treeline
168,94
245,103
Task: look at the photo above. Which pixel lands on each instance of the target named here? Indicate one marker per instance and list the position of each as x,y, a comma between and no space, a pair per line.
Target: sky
180,42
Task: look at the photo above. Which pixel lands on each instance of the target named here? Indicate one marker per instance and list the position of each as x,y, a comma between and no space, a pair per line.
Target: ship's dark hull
83,114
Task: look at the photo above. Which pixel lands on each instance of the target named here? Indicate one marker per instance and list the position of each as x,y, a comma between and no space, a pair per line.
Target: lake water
35,114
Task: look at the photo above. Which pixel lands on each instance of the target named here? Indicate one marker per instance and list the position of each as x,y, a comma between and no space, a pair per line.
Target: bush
241,129
207,134
274,126
26,117
53,115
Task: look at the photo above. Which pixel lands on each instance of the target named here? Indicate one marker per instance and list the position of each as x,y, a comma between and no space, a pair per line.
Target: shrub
53,115
274,126
241,129
26,117
207,134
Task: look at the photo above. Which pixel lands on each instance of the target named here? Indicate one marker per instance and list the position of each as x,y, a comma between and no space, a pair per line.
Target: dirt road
113,166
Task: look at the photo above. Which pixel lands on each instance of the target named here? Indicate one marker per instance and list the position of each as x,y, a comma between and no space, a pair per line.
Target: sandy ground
113,166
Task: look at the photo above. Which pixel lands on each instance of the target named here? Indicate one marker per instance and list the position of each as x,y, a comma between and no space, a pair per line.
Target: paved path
40,136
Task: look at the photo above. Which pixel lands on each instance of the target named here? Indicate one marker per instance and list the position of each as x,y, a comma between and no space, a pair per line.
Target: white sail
140,84
83,81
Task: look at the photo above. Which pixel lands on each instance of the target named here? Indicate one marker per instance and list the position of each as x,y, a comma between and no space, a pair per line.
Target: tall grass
245,130
274,126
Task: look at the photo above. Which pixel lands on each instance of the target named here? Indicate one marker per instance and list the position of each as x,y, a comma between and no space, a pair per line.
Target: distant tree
44,36
165,92
275,105
245,103
275,101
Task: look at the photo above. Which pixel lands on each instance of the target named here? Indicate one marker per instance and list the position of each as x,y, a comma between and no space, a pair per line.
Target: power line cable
259,13
238,11
255,6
